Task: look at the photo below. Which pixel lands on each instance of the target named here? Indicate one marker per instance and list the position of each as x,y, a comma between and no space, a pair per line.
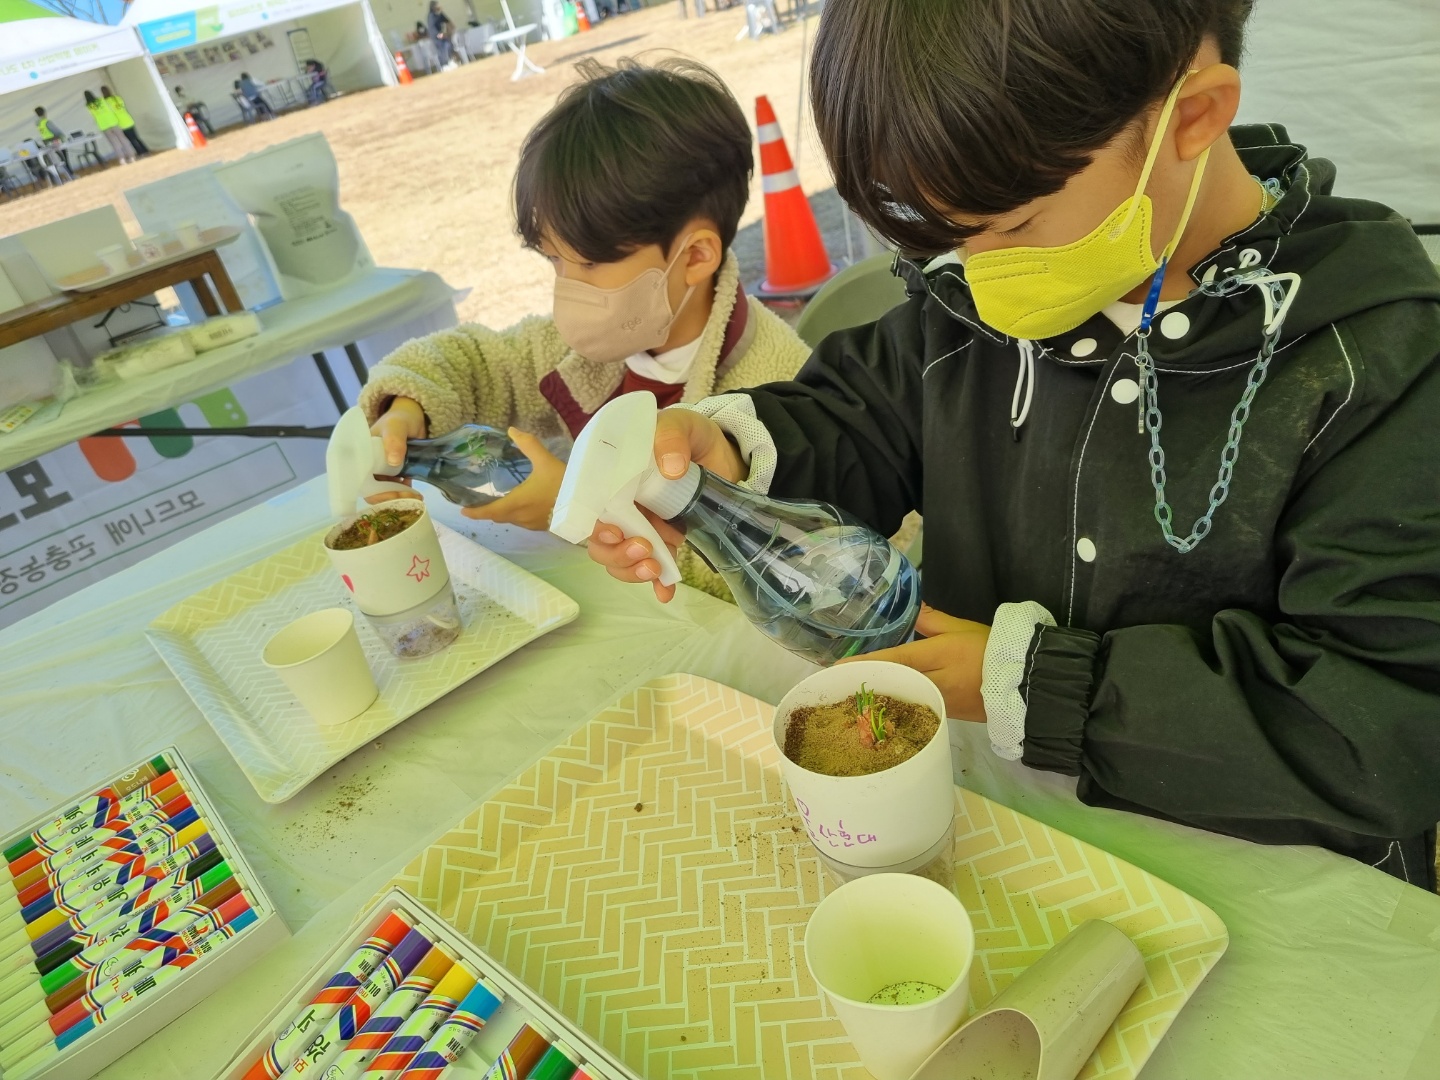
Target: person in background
319,89
108,124
127,122
252,93
50,137
197,110
442,33
632,187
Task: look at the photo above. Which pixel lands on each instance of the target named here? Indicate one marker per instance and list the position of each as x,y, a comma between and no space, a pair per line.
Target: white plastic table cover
347,313
1333,969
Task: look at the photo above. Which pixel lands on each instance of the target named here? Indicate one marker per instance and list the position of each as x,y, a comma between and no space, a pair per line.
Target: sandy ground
425,169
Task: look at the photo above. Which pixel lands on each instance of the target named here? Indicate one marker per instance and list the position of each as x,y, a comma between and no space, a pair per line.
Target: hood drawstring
1024,382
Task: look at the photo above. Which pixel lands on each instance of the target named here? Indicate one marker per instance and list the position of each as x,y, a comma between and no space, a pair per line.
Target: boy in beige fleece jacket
632,186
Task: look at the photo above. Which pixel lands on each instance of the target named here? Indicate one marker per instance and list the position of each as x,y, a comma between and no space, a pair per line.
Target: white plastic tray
212,642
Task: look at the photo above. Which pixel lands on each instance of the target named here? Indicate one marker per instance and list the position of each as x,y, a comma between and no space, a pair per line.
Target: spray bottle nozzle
612,473
352,460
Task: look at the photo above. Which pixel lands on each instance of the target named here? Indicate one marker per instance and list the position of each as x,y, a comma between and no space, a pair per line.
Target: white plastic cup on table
116,257
188,233
892,933
1047,1023
320,659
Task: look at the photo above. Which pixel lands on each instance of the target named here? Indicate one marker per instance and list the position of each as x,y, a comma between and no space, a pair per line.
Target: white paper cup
116,258
188,233
395,575
1047,1023
320,659
887,818
875,932
402,584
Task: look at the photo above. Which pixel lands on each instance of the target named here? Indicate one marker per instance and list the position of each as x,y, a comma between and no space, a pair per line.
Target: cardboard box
88,1055
520,1006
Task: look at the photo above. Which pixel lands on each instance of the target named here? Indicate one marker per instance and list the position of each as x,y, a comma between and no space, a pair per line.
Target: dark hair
928,106
106,92
39,111
91,99
629,154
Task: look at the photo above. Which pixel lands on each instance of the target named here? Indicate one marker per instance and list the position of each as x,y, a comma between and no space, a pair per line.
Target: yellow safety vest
46,131
117,104
104,115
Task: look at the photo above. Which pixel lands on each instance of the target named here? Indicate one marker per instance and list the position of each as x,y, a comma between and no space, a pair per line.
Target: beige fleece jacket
474,375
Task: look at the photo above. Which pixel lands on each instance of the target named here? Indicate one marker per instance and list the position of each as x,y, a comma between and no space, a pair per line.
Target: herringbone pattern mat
212,642
649,879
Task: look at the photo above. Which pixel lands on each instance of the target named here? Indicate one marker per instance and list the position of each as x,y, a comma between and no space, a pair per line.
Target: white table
333,319
1333,971
516,40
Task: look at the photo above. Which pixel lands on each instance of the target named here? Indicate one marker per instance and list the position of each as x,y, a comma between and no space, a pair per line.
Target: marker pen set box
405,995
120,910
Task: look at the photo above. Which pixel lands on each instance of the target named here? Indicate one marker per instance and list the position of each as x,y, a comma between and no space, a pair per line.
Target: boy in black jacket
1169,412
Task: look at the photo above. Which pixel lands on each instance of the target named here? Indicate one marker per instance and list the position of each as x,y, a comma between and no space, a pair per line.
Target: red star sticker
419,569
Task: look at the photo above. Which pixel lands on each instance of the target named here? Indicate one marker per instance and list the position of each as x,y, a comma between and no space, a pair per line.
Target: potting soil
373,528
826,738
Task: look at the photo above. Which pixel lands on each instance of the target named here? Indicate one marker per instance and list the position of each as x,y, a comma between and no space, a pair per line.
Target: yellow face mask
1038,292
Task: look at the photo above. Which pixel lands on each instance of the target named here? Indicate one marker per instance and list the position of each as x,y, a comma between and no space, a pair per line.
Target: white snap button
1175,324
1249,257
1085,548
1084,347
1125,391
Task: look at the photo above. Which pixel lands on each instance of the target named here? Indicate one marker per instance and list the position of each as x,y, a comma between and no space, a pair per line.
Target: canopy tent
204,49
49,60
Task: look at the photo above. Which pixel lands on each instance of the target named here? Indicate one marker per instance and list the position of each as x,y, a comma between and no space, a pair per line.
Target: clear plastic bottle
807,574
471,465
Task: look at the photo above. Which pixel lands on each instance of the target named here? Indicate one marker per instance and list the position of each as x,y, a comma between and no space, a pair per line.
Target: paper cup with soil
389,558
866,756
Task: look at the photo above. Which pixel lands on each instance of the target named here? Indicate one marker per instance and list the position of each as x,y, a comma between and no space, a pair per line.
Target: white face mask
611,325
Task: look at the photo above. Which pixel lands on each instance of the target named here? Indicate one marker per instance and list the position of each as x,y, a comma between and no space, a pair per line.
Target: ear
704,252
1206,109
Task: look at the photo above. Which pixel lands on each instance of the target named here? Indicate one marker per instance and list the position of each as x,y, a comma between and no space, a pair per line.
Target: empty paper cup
892,938
320,659
1047,1023
188,234
116,258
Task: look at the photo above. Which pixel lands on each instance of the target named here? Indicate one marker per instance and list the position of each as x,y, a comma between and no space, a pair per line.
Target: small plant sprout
870,717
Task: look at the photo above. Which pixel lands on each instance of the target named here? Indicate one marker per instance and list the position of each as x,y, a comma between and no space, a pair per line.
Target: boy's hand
404,420
532,501
681,436
952,656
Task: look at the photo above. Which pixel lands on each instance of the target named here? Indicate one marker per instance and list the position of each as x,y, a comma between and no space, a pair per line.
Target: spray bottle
471,465
808,575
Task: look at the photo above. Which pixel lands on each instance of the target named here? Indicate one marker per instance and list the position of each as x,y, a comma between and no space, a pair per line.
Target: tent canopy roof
30,30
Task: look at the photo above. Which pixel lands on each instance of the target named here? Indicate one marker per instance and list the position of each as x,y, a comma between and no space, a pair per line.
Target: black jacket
1281,682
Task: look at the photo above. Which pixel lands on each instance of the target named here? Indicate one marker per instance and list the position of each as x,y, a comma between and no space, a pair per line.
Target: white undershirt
1127,316
670,367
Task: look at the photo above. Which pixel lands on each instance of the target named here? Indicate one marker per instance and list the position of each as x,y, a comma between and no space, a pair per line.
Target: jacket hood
1350,254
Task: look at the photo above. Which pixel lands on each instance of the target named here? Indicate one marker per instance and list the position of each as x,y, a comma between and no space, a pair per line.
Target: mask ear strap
1189,202
1152,153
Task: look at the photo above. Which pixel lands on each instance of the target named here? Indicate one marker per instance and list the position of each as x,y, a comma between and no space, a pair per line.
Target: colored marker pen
558,1063
455,1034
523,1053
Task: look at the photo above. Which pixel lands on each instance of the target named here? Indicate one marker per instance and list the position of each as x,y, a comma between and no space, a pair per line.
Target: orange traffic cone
581,19
795,260
197,137
402,70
